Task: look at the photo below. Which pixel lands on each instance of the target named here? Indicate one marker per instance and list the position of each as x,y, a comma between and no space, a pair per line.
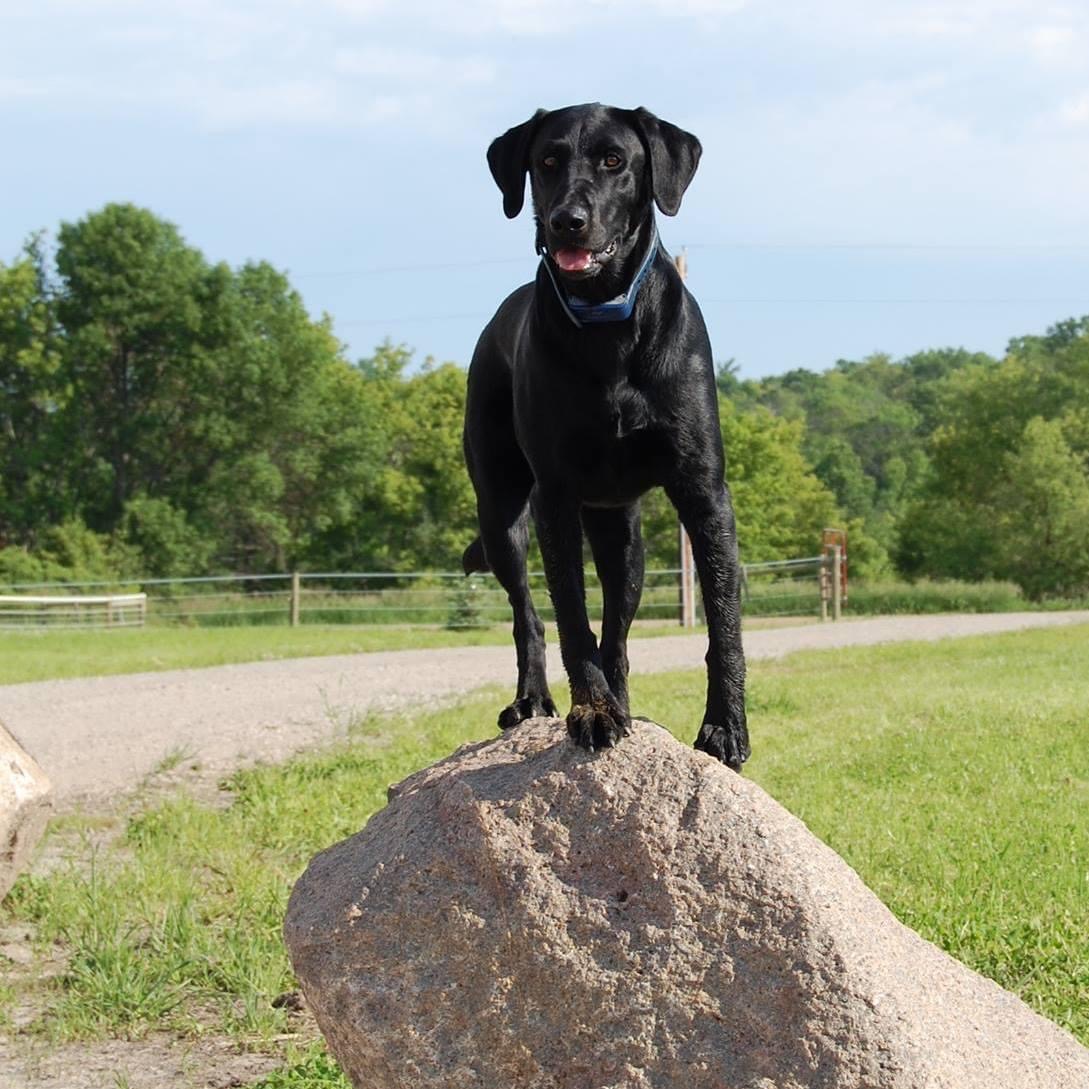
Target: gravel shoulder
101,736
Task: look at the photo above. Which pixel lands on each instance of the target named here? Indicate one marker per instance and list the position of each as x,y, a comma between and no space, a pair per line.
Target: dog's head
595,171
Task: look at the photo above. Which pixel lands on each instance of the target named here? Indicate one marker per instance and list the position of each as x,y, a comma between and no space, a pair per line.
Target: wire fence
73,610
443,599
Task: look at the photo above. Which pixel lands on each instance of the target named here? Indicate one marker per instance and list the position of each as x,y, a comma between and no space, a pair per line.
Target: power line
983,247
387,270
767,300
738,244
480,315
1081,300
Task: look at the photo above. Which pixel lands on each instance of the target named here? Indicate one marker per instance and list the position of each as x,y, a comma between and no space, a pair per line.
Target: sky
877,176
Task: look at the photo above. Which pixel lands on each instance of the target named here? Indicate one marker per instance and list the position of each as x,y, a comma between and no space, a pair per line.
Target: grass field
45,655
48,655
953,776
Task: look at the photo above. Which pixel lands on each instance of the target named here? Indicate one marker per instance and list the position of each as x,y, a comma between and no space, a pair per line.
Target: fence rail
799,587
73,611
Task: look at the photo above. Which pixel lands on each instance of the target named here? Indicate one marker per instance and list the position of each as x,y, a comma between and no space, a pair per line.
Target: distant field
46,655
36,655
954,777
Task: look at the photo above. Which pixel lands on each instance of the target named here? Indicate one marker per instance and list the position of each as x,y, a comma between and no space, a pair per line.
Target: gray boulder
525,915
25,806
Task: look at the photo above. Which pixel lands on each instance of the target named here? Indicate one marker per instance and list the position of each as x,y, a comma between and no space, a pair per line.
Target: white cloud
1056,47
556,18
429,63
400,64
14,88
1075,111
359,9
1051,39
296,100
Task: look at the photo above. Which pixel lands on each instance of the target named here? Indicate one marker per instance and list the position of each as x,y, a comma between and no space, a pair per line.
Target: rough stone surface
24,808
525,915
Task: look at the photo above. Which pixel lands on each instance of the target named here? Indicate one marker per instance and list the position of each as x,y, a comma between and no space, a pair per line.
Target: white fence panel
75,611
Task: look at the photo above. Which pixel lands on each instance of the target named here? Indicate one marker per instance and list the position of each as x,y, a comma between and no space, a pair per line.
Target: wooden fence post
837,582
296,593
688,582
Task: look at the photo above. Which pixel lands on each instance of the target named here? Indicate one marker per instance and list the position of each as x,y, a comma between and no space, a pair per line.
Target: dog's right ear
508,159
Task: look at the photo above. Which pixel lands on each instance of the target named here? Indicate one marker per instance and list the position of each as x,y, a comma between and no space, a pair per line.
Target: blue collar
582,312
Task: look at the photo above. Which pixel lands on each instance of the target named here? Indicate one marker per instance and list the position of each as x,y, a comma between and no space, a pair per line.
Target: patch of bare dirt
157,1062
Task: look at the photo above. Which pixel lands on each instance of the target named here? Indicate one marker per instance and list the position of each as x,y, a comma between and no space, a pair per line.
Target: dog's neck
582,312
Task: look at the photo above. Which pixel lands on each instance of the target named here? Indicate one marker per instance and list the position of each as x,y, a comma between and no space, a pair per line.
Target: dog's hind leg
617,547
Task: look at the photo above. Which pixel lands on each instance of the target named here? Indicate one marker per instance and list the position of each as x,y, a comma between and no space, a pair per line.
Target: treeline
954,464
161,415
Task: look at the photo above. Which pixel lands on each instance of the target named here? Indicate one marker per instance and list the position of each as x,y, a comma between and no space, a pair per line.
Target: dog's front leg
708,517
597,719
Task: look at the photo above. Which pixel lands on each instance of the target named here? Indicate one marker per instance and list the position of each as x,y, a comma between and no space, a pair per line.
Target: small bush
465,606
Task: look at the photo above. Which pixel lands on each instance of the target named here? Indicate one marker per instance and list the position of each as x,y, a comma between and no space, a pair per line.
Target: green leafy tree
422,512
281,428
780,505
156,539
129,299
1006,458
1042,506
210,421
31,493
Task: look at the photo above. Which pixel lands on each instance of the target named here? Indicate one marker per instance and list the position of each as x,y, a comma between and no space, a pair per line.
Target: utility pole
688,565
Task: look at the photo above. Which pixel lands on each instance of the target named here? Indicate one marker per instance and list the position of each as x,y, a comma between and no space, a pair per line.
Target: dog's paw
599,724
730,744
533,706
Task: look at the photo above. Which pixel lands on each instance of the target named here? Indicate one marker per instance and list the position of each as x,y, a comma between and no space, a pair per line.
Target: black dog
588,387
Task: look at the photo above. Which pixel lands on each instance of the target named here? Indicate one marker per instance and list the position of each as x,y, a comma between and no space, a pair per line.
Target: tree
210,420
281,428
1042,505
1006,460
422,512
130,301
30,395
780,506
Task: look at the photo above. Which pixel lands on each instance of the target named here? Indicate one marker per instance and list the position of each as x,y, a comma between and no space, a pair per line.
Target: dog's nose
569,220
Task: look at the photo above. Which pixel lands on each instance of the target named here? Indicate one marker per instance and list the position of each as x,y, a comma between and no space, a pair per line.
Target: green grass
45,655
49,655
953,776
314,1070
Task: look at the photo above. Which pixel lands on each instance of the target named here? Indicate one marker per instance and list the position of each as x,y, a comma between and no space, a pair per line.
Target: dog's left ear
508,160
673,156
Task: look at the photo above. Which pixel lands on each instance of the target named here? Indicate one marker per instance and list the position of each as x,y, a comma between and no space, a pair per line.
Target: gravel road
99,736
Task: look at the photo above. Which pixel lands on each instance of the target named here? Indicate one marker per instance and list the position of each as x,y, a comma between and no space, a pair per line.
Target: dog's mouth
579,263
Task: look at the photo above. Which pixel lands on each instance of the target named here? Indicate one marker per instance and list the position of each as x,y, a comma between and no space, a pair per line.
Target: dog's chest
609,445
625,411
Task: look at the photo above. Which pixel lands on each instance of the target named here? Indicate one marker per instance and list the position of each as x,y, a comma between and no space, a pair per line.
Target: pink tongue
572,259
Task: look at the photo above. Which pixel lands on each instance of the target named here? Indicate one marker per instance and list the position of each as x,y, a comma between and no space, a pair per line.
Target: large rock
24,808
525,915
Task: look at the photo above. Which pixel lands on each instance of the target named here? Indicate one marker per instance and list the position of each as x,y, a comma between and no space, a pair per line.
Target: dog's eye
549,162
612,161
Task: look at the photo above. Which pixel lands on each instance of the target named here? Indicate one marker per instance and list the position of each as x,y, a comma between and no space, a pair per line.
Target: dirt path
98,736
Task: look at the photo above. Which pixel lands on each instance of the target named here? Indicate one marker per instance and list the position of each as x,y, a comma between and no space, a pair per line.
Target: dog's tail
473,558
